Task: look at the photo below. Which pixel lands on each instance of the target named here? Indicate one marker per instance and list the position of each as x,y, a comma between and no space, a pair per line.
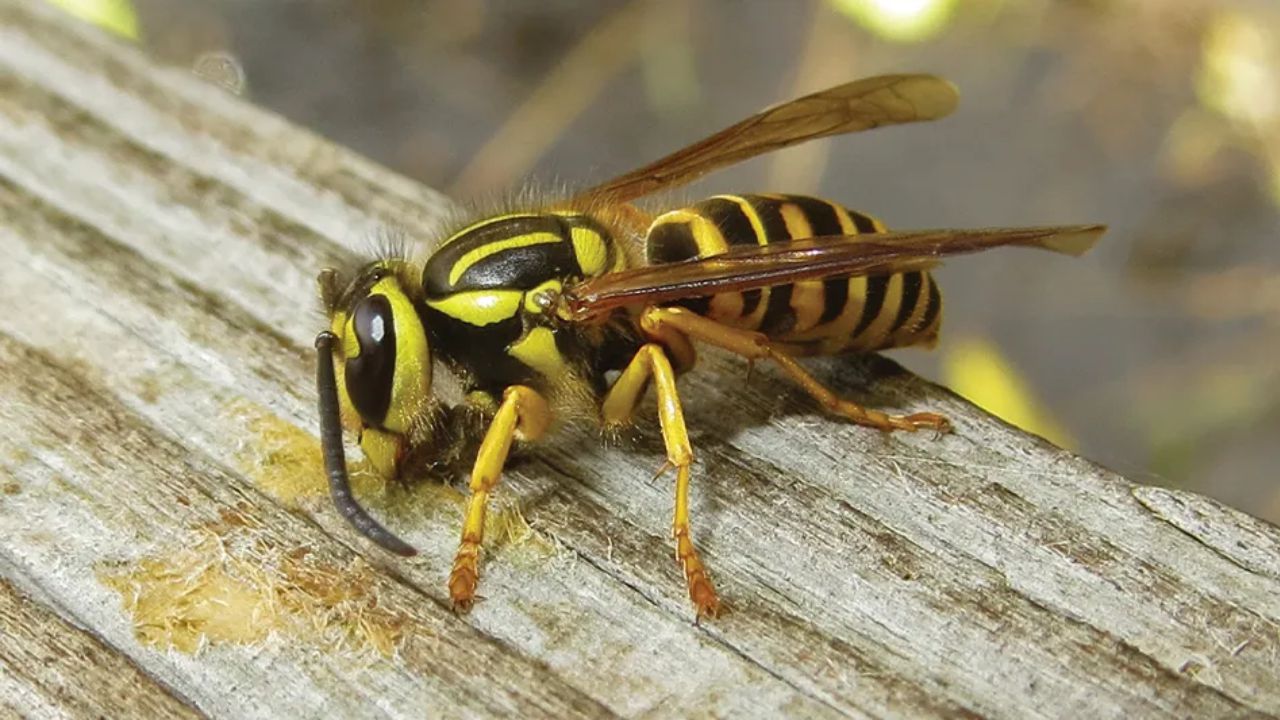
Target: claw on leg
465,575
703,594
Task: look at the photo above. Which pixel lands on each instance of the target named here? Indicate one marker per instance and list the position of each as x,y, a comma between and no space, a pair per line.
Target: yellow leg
756,346
523,415
651,361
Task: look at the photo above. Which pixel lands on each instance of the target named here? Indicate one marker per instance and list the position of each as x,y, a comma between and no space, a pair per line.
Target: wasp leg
651,361
756,346
523,415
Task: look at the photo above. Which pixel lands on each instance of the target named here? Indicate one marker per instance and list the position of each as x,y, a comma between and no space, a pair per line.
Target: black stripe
821,215
731,219
482,351
911,284
670,242
750,301
697,305
778,318
521,267
835,295
877,285
863,223
934,305
435,275
770,213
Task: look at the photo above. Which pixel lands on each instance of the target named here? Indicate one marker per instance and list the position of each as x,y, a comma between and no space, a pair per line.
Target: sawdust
281,458
228,586
285,461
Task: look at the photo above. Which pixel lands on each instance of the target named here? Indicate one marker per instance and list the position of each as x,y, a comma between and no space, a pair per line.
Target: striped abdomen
835,315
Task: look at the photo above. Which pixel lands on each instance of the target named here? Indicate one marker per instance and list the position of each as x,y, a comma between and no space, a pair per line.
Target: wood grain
51,667
165,535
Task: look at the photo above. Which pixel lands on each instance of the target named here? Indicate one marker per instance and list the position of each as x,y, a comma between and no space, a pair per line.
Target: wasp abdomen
835,315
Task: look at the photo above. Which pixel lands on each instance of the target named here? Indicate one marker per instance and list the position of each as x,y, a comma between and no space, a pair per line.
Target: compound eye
370,375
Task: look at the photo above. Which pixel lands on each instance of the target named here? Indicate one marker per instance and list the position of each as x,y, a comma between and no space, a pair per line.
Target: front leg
525,415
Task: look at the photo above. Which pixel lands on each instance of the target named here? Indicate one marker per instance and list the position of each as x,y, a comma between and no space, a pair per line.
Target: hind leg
756,346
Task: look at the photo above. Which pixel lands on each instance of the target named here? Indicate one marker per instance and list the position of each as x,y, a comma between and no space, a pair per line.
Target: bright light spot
900,20
117,16
1240,68
977,370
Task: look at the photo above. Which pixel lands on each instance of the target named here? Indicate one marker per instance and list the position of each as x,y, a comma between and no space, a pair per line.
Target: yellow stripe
480,307
735,301
611,257
794,218
846,222
706,235
908,329
837,331
492,219
619,257
808,300
590,250
411,383
538,350
875,336
342,327
466,261
551,287
807,297
726,307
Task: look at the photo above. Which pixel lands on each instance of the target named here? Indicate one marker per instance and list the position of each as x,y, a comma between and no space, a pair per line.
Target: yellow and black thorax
814,317
491,293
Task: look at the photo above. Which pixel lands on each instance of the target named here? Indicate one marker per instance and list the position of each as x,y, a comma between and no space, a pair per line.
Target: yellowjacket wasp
547,310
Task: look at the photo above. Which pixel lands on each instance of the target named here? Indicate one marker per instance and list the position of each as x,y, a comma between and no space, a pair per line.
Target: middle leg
651,362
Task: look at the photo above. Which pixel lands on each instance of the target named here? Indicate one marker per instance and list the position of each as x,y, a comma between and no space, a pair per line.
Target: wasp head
382,380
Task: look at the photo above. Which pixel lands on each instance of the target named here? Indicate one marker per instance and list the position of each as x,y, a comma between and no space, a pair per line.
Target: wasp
576,306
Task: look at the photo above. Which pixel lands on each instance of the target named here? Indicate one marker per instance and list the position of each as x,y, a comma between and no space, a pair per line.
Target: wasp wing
757,266
852,107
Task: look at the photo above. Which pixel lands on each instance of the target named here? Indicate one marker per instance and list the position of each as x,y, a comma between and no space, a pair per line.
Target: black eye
369,375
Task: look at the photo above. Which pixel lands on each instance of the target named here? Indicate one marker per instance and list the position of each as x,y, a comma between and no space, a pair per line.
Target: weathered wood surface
166,546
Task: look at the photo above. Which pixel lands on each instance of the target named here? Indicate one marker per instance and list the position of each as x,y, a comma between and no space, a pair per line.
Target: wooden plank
52,668
162,484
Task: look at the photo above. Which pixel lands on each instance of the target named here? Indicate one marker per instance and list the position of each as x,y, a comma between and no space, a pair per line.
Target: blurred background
1157,355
